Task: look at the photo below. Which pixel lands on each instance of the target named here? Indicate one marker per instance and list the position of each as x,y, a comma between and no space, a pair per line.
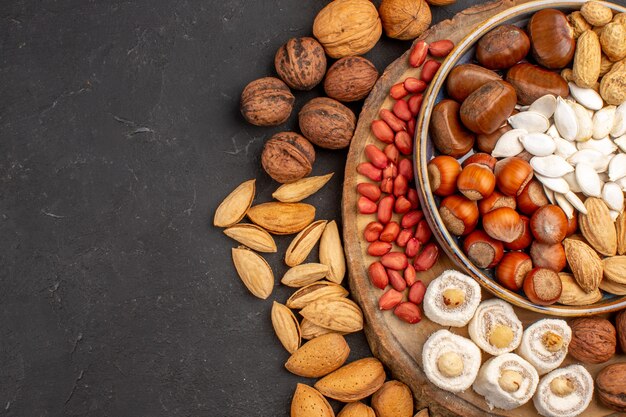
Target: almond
303,243
356,409
597,227
422,413
301,189
313,292
311,331
286,327
615,269
613,287
573,295
339,314
235,205
304,274
620,226
319,356
282,218
308,402
254,271
252,236
393,399
354,381
331,253
584,263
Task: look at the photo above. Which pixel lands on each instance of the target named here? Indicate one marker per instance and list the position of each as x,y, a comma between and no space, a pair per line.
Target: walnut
327,123
350,79
266,102
593,340
287,157
620,326
611,387
405,19
301,63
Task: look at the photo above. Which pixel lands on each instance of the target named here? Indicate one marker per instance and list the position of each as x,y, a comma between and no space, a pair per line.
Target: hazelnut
350,79
287,157
266,102
301,63
327,123
510,381
501,336
620,325
562,386
450,364
593,340
453,297
405,19
552,342
611,388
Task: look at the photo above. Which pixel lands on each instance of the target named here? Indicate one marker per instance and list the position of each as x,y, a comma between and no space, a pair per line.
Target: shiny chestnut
502,47
487,142
443,171
552,38
459,214
532,82
486,109
449,135
464,79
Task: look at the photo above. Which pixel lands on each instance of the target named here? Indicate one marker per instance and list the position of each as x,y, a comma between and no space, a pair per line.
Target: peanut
613,41
587,59
596,14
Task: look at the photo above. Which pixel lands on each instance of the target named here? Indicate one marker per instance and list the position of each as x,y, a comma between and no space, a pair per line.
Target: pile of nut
547,165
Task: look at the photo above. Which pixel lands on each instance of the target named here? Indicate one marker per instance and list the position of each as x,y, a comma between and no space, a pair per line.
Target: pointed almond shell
304,274
331,253
339,314
254,271
311,331
319,356
573,295
356,409
282,218
615,269
286,327
301,189
308,402
303,243
313,292
252,236
613,287
584,263
353,381
393,399
235,205
597,227
620,226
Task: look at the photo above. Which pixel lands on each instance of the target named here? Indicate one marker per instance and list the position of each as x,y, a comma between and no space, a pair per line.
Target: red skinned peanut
401,109
369,190
414,85
427,258
385,209
440,49
376,156
392,153
378,248
390,232
370,171
418,54
394,260
402,205
386,185
408,312
403,237
372,231
392,120
400,186
412,196
390,299
382,131
395,279
366,206
415,104
403,142
428,71
411,218
378,275
410,276
423,232
405,168
397,91
416,292
413,247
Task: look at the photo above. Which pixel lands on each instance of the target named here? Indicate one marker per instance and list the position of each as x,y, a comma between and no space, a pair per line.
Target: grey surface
119,135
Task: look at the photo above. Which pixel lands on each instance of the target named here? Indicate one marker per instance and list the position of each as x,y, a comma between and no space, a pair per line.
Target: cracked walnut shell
301,63
287,157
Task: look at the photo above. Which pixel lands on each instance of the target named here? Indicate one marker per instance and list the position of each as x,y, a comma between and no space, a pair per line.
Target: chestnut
503,224
552,38
482,250
481,158
487,142
476,182
449,135
572,224
525,239
548,255
542,286
494,201
464,79
512,175
443,171
512,270
532,82
488,107
502,47
531,198
459,214
549,224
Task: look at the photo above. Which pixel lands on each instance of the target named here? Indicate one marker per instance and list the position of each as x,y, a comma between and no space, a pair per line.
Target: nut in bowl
544,119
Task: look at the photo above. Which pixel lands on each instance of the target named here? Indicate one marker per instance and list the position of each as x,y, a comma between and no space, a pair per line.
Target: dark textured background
119,135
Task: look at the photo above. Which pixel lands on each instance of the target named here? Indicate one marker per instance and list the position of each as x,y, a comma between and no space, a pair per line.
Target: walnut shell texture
350,79
301,63
327,123
611,386
287,157
593,340
347,27
266,102
620,326
405,19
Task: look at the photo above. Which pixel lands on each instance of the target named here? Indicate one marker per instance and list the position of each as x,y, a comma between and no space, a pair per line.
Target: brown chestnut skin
551,38
464,79
486,109
449,135
502,47
531,82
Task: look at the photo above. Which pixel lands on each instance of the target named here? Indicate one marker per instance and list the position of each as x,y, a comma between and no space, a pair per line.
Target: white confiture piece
544,344
550,400
603,122
565,120
508,144
538,144
570,178
605,145
435,307
585,124
549,194
586,96
621,143
588,180
617,167
564,148
451,362
592,157
532,121
619,124
492,316
498,378
613,196
545,105
576,202
565,205
558,185
550,166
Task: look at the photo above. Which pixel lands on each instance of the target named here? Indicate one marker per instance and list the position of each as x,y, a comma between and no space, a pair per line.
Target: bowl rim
445,239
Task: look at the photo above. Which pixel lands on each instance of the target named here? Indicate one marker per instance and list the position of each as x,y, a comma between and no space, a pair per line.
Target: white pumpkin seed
613,196
532,121
619,124
520,107
564,148
565,120
544,105
553,132
509,144
570,177
590,157
549,193
586,96
588,180
538,144
565,205
604,145
558,185
550,166
621,143
603,122
585,123
617,167
576,202
622,183
604,177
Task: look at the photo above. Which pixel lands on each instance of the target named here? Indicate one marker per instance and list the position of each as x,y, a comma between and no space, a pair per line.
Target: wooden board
397,344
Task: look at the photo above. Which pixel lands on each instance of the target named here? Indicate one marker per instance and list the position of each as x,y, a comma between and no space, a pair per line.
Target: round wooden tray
397,344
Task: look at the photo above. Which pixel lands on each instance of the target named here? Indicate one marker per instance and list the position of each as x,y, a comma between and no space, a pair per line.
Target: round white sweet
549,404
533,349
490,314
458,316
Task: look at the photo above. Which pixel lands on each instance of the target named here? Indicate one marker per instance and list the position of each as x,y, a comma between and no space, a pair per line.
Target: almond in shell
573,295
615,269
235,205
313,292
393,399
331,253
304,274
311,331
598,227
354,381
613,287
584,263
286,327
356,409
308,402
338,314
254,271
620,226
282,218
303,243
301,189
319,356
252,236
